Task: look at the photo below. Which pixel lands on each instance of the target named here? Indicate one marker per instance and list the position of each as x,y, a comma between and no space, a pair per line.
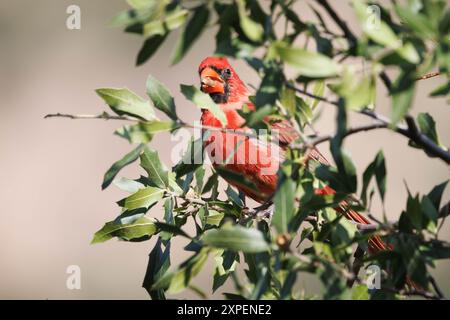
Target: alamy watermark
373,21
73,281
73,21
373,277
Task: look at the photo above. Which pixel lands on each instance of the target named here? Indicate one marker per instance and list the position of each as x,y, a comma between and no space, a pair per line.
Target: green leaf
414,212
149,48
118,165
125,102
253,30
319,90
307,63
428,126
128,185
142,227
191,160
360,292
157,173
384,35
143,132
179,279
442,90
236,238
171,21
158,263
235,177
142,4
143,198
233,196
204,101
225,264
378,168
288,100
284,206
435,195
402,97
191,32
358,92
416,21
199,176
214,217
171,228
161,97
444,25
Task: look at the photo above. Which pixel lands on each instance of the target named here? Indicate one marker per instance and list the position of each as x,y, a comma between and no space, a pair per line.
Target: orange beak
211,81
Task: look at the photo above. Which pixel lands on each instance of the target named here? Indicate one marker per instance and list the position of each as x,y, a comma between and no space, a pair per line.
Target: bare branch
436,287
368,127
306,93
104,116
428,76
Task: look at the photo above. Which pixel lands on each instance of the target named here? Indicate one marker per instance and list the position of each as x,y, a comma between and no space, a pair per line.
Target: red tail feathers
375,243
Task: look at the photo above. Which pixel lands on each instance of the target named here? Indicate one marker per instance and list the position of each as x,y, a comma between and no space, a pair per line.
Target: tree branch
368,127
436,288
104,116
413,133
342,25
428,76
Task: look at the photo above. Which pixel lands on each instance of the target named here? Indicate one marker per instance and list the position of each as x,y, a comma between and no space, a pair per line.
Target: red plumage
239,148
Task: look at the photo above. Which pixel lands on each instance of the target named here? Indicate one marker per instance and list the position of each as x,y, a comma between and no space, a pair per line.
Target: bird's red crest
218,62
237,91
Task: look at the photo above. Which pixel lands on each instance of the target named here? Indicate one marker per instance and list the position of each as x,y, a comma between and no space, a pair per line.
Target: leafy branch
300,228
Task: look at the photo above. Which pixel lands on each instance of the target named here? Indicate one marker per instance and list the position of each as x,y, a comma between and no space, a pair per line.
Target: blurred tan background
51,170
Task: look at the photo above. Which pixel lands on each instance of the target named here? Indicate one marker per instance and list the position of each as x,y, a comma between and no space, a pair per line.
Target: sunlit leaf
308,63
161,97
143,198
204,101
157,173
142,227
236,238
125,102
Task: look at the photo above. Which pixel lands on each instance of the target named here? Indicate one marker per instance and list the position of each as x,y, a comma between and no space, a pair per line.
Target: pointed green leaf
142,227
125,102
284,206
191,32
161,97
149,48
157,173
143,132
158,263
204,101
253,30
118,165
307,63
143,198
236,238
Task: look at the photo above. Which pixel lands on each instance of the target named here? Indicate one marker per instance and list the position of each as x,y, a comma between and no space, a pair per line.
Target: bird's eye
226,73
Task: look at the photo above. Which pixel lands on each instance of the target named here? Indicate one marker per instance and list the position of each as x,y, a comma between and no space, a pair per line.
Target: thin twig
368,127
436,287
308,94
428,76
342,25
104,116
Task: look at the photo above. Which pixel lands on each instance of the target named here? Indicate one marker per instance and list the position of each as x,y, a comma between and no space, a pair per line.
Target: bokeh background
51,170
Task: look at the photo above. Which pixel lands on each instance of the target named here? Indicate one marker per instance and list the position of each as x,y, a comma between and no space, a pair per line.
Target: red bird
254,159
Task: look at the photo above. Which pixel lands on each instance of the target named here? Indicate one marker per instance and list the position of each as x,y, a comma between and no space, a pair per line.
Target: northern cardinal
251,158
